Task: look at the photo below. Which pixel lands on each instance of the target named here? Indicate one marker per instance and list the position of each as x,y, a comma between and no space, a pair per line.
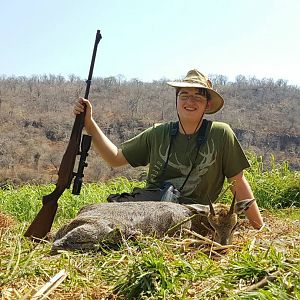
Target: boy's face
191,104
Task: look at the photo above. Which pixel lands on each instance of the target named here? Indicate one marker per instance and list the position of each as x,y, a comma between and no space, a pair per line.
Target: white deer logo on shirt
208,159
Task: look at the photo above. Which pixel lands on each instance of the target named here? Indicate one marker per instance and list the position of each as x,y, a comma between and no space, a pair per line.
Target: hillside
36,119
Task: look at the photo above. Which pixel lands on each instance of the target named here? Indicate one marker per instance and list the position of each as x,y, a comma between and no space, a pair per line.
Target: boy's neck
189,127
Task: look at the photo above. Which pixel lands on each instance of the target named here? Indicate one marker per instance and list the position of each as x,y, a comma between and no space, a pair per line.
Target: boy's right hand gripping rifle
78,145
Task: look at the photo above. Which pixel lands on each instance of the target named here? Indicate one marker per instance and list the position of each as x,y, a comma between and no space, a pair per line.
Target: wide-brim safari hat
196,79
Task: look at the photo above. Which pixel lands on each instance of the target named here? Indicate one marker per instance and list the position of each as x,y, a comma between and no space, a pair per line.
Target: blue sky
150,40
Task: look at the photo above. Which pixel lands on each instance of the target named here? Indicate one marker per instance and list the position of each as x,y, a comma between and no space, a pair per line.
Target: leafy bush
273,187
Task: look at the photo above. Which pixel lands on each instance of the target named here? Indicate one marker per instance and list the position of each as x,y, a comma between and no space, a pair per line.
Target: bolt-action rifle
78,145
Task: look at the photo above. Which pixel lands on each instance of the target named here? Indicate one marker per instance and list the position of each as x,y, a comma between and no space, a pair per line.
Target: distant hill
36,119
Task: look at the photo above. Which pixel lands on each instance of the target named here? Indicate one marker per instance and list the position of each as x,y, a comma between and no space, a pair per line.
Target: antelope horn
231,210
211,208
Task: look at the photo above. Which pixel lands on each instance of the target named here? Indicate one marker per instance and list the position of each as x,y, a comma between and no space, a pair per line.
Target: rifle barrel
42,223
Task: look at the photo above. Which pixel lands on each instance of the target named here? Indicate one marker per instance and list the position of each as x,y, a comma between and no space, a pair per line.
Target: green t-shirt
219,157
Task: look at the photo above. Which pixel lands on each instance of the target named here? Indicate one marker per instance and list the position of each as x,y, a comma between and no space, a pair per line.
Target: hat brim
216,100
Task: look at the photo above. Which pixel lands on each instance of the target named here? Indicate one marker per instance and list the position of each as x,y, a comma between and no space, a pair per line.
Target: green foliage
158,273
247,266
276,186
25,202
146,277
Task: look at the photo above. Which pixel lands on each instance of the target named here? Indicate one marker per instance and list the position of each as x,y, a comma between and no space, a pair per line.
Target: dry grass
6,221
95,275
277,231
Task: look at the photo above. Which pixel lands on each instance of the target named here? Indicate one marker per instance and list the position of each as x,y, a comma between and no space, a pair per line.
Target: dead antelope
109,223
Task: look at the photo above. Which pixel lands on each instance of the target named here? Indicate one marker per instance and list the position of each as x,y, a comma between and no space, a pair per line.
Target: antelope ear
198,209
243,205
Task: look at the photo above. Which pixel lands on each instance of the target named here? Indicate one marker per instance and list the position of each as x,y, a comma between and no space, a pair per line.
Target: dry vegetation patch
36,118
277,232
193,265
281,232
6,221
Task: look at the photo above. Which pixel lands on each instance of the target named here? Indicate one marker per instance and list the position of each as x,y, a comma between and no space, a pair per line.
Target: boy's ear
207,105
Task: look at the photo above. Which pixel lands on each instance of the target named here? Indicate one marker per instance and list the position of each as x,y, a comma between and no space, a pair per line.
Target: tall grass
149,268
274,185
24,202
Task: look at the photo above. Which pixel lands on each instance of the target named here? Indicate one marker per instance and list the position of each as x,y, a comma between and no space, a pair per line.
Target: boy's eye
185,97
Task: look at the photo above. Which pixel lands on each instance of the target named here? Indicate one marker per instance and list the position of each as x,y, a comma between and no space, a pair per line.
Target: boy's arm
241,188
107,149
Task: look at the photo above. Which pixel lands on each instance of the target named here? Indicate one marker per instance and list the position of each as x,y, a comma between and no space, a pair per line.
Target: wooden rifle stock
77,145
